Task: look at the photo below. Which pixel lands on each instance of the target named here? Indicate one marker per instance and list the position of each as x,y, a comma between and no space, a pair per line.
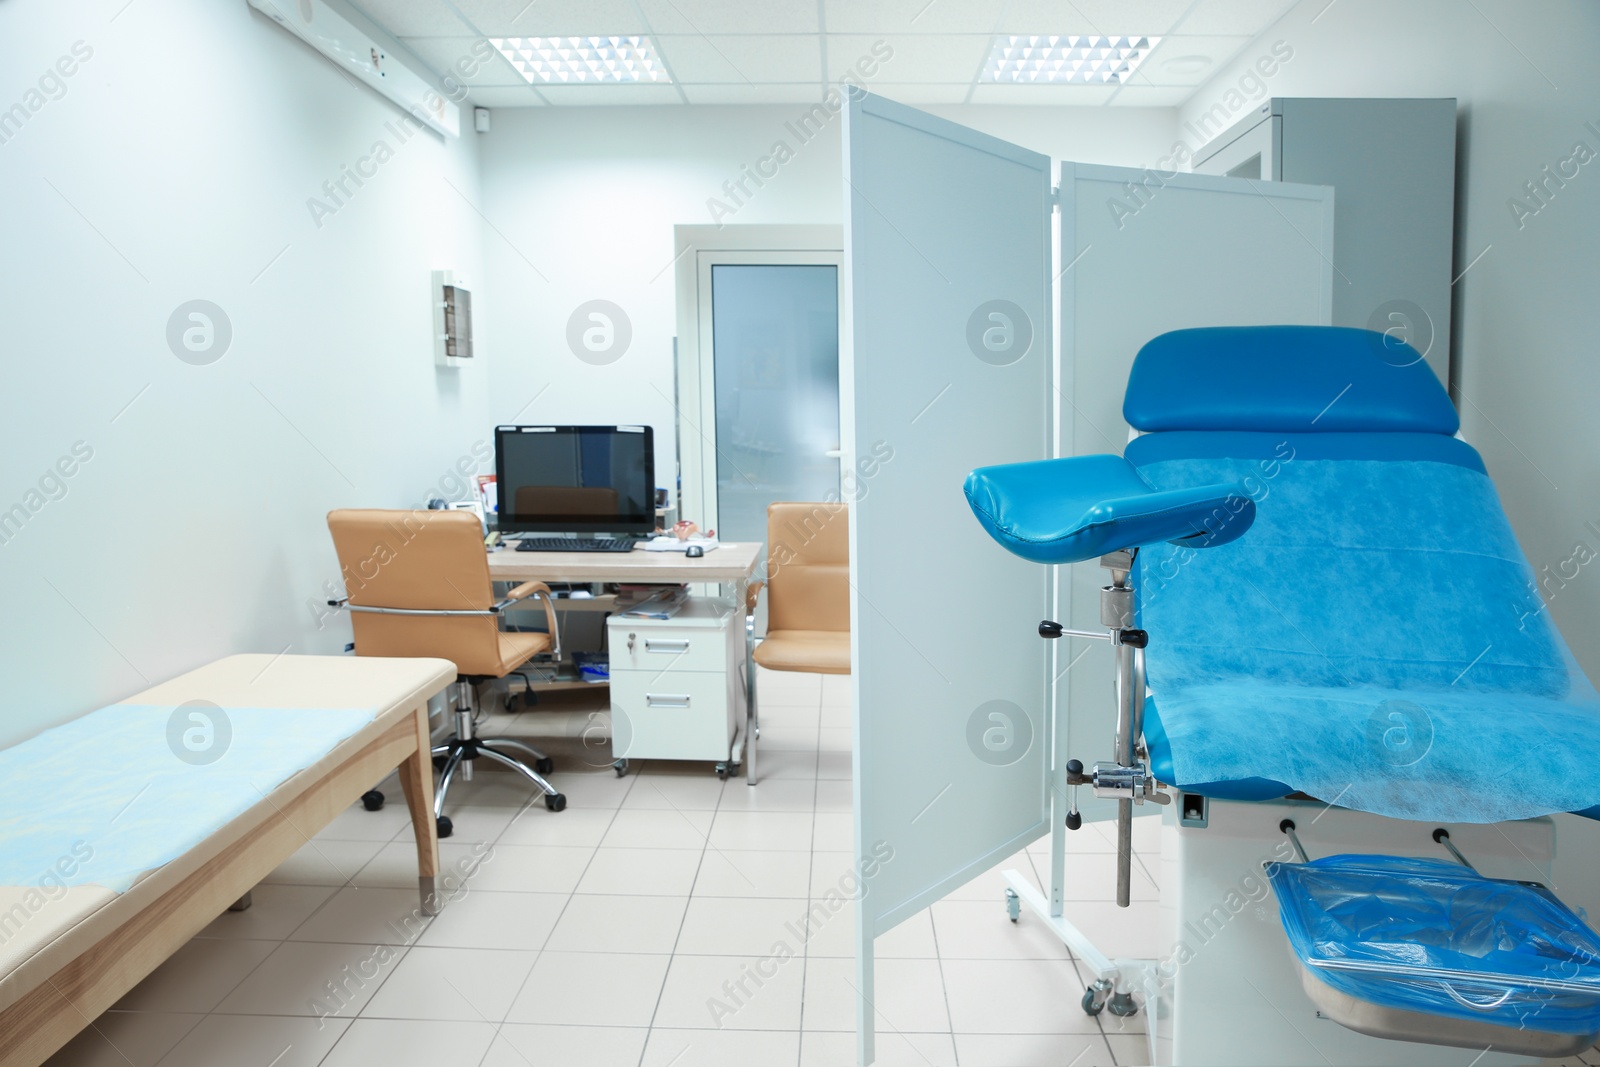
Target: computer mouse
694,551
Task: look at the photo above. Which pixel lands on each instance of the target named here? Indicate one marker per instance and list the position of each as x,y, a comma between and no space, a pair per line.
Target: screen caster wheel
621,767
1095,997
556,802
444,826
372,800
1014,907
545,766
722,771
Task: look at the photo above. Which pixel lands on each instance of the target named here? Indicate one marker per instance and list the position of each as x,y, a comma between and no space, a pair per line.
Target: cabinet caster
1095,997
722,771
621,767
545,766
445,826
372,800
1013,905
556,802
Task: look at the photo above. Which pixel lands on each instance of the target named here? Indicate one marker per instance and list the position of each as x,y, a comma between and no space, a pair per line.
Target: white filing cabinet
677,685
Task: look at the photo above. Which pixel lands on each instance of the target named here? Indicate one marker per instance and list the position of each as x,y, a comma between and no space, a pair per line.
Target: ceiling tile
610,94
923,92
1108,18
787,93
1185,60
1233,17
784,58
946,58
552,18
463,59
730,16
523,97
892,18
1152,96
413,18
1076,95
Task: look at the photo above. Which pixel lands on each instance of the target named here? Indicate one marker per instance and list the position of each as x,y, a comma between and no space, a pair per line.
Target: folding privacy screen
948,363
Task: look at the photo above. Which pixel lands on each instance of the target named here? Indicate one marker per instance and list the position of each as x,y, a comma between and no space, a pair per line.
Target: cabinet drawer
659,649
672,715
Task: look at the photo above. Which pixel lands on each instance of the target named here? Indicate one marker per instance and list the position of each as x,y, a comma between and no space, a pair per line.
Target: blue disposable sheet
106,797
1375,640
1434,937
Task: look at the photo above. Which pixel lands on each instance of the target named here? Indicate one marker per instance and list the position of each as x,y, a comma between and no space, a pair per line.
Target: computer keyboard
576,544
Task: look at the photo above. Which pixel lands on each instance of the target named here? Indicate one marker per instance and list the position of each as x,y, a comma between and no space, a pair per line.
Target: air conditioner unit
330,33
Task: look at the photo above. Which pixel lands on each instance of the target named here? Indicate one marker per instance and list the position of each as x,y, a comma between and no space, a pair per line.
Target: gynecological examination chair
1332,606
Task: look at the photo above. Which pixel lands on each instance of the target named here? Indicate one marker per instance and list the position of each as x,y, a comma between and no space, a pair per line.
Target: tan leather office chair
808,589
417,584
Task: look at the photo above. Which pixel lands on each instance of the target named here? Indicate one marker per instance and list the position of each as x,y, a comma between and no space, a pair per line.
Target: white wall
582,202
175,163
1527,380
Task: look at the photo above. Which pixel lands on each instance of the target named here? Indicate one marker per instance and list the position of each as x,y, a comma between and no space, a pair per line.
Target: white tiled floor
600,935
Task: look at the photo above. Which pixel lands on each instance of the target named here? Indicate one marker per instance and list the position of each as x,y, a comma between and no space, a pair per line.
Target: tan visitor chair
808,589
417,584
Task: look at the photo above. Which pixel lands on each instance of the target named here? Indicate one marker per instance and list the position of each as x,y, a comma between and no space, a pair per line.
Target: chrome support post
464,710
1116,614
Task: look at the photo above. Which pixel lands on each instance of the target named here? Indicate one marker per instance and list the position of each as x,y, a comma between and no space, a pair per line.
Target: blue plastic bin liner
1434,937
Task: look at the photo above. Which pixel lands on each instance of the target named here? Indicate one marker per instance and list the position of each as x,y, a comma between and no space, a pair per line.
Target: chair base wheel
556,802
372,800
545,766
445,826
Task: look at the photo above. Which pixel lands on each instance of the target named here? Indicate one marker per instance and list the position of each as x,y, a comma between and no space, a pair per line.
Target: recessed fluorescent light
1056,59
583,60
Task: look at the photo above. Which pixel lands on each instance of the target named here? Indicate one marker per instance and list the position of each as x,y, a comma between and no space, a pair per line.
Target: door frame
697,249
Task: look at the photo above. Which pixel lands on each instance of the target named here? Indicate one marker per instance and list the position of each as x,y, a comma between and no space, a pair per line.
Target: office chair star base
465,748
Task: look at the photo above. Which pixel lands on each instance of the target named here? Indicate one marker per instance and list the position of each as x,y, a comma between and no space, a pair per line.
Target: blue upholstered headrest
1307,379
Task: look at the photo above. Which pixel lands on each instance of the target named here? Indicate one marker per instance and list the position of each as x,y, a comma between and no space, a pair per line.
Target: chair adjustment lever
1124,636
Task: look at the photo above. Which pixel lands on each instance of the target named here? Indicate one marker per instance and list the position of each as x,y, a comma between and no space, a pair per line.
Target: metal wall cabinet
677,685
1392,164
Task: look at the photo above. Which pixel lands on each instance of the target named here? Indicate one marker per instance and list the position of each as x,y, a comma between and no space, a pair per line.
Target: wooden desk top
729,563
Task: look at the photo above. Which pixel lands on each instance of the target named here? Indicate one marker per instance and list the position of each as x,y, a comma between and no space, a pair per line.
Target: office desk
732,564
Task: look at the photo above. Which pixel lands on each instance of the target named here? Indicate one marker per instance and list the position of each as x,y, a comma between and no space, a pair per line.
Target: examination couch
125,832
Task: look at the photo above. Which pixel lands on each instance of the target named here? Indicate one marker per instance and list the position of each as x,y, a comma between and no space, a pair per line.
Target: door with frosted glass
775,369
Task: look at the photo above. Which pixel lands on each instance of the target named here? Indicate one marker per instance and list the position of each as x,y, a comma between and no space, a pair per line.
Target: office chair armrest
542,591
527,589
752,596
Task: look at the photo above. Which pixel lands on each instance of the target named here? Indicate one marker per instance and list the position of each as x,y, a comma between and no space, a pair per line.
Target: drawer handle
666,700
674,647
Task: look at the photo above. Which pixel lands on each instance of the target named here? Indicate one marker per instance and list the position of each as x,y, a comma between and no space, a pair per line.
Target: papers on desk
651,601
668,543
